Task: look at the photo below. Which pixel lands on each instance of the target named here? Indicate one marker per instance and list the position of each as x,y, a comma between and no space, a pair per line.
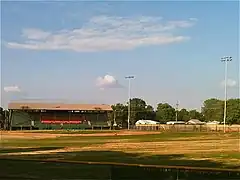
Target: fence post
239,139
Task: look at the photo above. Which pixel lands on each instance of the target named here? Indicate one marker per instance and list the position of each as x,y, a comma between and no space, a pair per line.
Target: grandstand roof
58,106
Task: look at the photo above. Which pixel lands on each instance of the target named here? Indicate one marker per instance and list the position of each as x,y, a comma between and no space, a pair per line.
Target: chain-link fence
187,128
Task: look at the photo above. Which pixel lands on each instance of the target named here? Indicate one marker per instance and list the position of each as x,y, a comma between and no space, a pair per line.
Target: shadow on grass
59,170
19,150
128,158
119,157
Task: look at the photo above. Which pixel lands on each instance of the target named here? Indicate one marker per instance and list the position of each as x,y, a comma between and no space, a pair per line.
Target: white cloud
230,83
12,89
107,81
35,34
102,33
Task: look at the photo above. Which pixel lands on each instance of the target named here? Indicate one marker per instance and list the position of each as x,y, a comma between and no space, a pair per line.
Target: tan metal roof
57,106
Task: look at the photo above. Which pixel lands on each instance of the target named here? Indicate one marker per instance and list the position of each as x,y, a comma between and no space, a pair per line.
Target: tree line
3,118
212,110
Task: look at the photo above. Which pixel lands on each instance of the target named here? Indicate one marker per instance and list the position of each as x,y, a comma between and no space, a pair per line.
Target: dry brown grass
196,148
173,147
164,147
35,135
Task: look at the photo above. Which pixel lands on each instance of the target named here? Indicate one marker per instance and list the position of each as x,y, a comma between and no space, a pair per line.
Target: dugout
23,116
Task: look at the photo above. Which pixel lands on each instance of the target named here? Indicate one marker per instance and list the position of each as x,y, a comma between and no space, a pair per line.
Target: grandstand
58,116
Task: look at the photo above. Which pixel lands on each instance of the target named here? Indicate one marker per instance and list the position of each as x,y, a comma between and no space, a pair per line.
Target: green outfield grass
27,170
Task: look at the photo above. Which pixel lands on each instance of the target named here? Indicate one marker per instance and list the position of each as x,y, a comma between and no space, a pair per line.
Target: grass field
211,150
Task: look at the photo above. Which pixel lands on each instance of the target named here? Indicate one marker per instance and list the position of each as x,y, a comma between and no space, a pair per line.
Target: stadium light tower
225,59
129,97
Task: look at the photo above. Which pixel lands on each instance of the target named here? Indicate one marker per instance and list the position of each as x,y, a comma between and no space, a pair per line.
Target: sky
81,52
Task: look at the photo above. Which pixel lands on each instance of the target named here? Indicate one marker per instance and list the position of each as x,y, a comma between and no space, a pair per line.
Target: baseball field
34,153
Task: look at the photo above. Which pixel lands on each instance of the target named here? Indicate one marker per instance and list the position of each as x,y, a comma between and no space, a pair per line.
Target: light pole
129,97
225,59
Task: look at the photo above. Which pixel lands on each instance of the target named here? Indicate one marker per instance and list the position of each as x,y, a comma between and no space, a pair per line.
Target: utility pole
177,111
225,59
114,119
129,98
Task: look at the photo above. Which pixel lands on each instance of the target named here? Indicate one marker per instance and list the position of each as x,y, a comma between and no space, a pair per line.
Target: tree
233,111
4,114
165,112
119,114
6,119
194,114
183,115
212,110
138,109
2,117
150,113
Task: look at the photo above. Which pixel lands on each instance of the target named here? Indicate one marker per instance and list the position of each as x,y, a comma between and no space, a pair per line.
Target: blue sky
81,51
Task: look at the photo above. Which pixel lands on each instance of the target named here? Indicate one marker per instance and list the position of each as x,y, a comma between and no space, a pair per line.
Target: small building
58,116
175,122
213,122
195,122
150,122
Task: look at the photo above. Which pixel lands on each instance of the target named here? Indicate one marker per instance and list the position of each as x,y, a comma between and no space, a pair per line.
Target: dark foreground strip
185,168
